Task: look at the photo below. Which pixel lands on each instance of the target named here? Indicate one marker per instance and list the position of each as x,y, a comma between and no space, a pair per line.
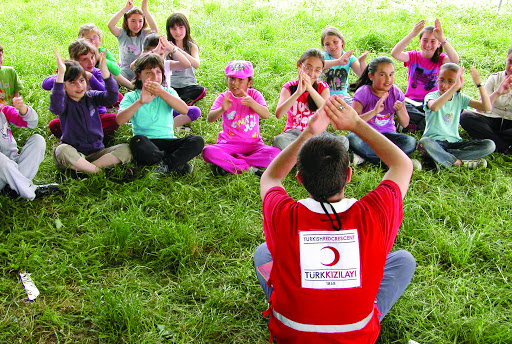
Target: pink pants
238,157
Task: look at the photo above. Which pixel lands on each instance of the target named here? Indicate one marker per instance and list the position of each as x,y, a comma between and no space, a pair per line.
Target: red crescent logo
336,256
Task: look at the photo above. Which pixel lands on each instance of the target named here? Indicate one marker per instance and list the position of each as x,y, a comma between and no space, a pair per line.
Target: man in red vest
331,275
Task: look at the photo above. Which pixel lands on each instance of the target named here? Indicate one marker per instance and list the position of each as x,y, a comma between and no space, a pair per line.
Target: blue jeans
446,153
398,272
403,141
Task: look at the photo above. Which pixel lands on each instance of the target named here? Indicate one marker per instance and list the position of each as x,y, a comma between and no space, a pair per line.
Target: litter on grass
30,287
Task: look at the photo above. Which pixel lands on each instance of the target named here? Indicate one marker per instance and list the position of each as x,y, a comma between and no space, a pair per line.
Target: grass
169,260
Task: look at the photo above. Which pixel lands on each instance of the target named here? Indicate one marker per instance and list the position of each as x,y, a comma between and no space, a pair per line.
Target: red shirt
376,219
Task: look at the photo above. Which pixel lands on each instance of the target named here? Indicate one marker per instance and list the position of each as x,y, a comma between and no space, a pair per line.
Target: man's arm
284,162
400,166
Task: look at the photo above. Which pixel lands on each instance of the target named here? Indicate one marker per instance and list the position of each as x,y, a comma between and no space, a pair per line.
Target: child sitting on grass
132,33
93,34
239,145
150,108
377,100
159,45
441,140
338,62
10,84
333,276
299,99
81,147
85,54
18,169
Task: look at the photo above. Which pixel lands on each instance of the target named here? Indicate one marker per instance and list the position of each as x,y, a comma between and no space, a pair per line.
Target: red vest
305,307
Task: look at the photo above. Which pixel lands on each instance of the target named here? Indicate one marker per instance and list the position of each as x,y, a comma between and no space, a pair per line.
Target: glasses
309,68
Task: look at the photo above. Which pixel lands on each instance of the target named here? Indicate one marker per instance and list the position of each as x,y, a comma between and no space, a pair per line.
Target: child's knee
65,156
144,151
123,153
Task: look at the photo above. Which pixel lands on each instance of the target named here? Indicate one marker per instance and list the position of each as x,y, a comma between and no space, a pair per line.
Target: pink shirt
299,114
422,75
240,123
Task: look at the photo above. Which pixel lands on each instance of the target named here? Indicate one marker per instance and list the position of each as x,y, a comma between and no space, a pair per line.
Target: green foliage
169,259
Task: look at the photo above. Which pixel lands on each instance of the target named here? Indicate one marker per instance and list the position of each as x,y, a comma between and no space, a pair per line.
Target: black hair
307,54
126,16
73,71
151,41
146,60
371,68
322,165
181,20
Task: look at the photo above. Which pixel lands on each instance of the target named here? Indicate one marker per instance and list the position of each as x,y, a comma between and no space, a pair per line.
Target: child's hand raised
363,56
227,102
247,100
398,106
379,107
103,65
418,27
61,66
154,88
146,96
343,60
438,31
302,85
20,105
128,6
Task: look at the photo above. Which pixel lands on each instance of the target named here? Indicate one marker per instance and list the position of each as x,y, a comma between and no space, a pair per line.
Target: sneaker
184,169
184,130
356,160
416,164
161,168
473,164
218,171
47,190
8,192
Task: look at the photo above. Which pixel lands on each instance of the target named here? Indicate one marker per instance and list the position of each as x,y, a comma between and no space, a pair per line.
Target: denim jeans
398,272
405,142
446,153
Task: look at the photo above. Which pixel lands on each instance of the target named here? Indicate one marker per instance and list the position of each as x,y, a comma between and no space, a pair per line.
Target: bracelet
445,40
478,85
175,50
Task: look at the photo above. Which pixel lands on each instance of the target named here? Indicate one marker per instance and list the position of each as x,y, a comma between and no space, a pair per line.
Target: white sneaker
357,160
473,164
416,164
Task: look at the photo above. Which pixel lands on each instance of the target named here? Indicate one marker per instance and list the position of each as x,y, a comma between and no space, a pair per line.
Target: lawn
169,259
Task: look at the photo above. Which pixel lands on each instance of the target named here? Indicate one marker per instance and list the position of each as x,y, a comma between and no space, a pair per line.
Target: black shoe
8,192
47,190
184,169
218,171
73,174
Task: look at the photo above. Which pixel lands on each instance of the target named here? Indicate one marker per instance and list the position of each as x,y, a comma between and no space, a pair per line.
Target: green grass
170,259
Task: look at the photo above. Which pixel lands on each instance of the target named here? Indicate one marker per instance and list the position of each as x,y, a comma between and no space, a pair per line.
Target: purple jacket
95,83
80,121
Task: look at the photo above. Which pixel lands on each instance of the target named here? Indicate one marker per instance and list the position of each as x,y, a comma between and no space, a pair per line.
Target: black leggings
191,94
481,127
173,152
